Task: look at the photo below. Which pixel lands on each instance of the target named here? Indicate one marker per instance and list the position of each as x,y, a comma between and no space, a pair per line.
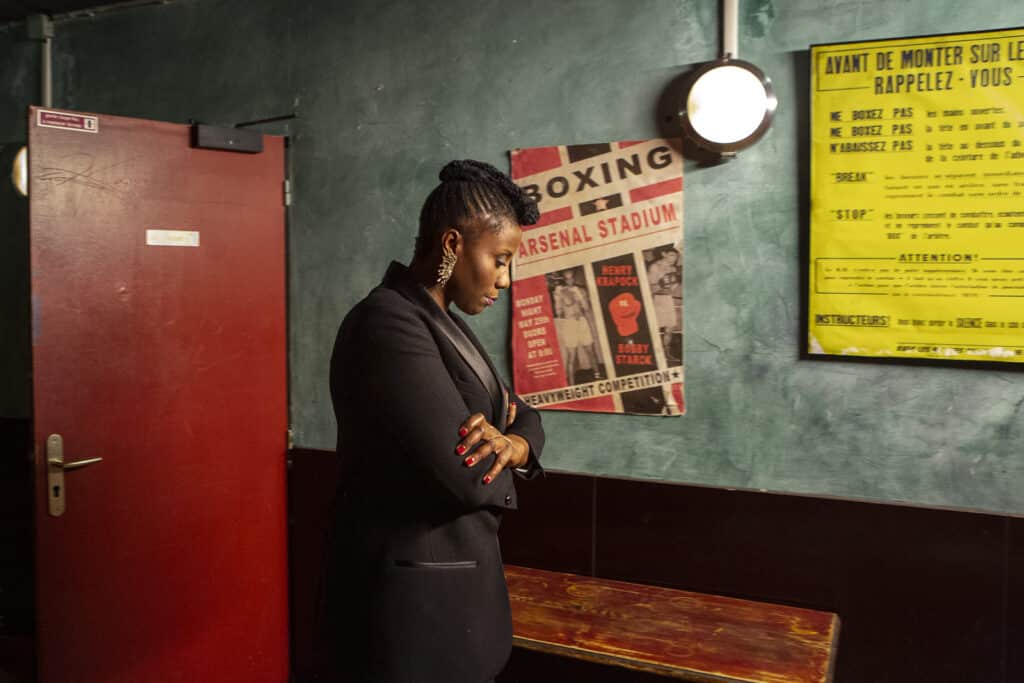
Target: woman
429,438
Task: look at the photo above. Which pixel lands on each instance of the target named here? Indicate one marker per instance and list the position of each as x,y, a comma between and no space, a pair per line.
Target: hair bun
472,171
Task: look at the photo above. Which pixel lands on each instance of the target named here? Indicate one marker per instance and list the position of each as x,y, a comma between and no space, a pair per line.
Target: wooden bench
674,633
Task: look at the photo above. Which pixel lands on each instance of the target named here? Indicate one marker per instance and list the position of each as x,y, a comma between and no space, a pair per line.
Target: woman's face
482,269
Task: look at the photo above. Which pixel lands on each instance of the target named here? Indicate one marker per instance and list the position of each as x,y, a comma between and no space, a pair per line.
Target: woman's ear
452,239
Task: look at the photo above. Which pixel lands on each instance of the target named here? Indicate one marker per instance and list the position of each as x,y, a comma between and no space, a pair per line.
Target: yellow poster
917,198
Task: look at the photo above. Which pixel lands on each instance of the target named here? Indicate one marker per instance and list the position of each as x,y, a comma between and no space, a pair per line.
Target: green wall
386,92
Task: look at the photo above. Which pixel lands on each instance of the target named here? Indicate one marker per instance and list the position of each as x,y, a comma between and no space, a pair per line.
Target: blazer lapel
465,343
499,396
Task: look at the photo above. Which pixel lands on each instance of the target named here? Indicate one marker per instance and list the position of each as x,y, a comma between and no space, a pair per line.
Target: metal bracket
228,139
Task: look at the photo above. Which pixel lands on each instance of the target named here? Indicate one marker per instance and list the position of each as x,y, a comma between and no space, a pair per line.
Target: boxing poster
597,285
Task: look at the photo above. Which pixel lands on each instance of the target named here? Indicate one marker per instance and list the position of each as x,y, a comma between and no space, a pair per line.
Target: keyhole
56,491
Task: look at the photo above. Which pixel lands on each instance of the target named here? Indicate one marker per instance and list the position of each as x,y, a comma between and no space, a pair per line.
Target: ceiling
12,10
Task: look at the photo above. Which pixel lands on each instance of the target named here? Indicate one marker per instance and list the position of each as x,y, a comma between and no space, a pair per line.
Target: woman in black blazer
429,439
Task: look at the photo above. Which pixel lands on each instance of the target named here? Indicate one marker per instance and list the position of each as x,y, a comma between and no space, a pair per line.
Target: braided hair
471,190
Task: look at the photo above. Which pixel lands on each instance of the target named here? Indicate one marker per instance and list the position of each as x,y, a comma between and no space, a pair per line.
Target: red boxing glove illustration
624,310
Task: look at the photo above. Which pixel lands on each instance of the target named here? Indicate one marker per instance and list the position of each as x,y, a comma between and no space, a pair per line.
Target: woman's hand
511,450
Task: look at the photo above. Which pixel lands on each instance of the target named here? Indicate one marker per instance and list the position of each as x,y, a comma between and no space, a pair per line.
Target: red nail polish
463,431
469,461
460,449
487,479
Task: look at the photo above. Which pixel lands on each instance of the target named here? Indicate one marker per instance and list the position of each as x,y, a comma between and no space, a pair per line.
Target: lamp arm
730,29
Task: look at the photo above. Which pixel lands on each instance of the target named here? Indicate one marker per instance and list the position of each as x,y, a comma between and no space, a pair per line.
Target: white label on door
172,238
59,119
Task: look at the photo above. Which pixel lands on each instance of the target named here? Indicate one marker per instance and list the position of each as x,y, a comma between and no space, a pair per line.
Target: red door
158,323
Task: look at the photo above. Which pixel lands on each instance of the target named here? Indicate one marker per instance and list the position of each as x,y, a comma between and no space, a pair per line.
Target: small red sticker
59,119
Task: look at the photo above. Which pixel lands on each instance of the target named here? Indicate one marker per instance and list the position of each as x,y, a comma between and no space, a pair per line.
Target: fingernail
469,461
487,479
460,449
463,431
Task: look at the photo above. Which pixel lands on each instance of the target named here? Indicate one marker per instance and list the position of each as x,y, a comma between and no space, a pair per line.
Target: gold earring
444,271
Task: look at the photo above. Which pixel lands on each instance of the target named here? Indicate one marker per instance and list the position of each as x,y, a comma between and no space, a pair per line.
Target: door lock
55,469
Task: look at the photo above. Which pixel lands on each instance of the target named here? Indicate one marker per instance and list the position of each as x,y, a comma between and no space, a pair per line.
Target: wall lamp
19,171
730,103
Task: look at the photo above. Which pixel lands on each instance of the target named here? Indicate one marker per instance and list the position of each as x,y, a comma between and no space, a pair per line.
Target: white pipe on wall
40,27
730,28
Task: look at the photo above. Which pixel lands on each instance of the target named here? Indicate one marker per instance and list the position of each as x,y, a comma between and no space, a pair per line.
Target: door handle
73,465
55,469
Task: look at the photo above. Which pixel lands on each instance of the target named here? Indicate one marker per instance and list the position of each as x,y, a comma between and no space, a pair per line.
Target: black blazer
416,588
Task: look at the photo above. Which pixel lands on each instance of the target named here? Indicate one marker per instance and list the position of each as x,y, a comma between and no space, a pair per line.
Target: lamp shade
729,106
19,171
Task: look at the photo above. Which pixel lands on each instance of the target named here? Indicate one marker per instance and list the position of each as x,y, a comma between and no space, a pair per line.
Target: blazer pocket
437,621
416,564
